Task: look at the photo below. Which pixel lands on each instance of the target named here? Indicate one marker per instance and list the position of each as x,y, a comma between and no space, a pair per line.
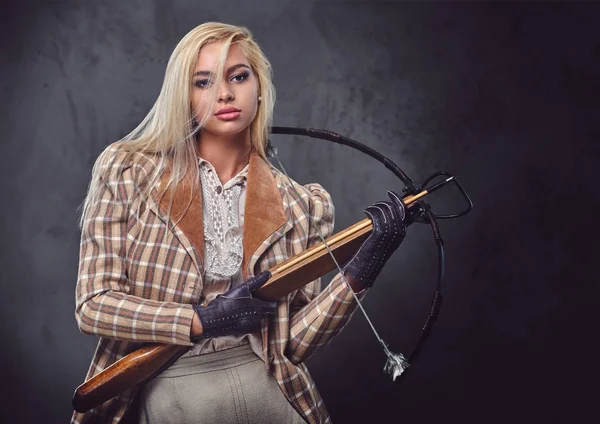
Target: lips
228,113
228,109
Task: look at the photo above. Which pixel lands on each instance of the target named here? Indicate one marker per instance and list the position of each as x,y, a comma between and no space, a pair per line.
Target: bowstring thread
305,209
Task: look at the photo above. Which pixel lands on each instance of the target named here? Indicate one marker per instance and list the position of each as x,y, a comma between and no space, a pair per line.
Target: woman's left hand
389,229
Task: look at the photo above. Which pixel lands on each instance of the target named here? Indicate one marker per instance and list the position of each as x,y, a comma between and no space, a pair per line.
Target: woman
181,220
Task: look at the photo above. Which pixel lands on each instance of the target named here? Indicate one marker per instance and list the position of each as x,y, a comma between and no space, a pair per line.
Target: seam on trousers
233,394
237,375
177,399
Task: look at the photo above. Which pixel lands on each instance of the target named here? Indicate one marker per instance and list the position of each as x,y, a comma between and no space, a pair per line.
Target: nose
225,92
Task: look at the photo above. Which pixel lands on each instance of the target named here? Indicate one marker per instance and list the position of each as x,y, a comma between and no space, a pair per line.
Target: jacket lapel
189,227
265,219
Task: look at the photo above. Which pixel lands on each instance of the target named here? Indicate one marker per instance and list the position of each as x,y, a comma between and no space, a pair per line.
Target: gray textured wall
503,94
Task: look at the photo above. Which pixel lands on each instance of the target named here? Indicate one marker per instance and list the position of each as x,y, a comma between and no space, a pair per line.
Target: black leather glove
236,311
389,229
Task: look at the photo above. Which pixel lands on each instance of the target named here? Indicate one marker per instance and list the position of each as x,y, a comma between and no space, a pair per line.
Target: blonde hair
168,132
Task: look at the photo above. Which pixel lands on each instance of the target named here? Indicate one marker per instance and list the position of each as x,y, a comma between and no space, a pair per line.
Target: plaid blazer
139,274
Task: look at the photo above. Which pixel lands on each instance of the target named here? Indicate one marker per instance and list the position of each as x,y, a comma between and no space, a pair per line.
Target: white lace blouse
223,219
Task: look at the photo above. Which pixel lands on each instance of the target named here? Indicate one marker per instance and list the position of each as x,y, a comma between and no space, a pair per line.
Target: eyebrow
230,69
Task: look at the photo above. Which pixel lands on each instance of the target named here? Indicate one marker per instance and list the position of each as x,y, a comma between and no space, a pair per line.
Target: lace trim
223,221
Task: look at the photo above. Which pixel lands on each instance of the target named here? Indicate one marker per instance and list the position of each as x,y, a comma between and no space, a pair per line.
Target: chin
226,130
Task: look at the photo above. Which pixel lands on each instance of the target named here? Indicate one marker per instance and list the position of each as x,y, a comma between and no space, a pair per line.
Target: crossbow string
420,212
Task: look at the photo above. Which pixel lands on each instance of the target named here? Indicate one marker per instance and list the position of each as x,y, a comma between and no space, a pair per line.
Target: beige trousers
229,386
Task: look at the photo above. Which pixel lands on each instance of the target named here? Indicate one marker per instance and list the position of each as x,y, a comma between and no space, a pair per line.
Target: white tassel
396,364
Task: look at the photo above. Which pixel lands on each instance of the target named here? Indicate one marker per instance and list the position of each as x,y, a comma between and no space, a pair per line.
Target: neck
228,155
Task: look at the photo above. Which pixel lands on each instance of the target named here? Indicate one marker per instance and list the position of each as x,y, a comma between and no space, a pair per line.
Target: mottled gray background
505,95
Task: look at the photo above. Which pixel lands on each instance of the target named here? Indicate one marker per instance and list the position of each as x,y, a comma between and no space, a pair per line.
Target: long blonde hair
168,132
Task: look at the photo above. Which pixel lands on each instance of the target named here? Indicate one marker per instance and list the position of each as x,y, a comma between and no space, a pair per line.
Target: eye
240,77
203,83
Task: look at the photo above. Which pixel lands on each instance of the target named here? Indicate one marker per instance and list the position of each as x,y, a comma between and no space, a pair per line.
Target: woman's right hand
234,312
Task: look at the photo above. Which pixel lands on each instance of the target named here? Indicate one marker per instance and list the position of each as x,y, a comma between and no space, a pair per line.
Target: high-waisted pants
228,386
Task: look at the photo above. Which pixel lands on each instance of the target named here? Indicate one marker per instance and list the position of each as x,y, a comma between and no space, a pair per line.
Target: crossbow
145,363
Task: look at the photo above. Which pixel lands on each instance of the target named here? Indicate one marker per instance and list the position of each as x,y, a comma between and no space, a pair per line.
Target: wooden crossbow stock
145,363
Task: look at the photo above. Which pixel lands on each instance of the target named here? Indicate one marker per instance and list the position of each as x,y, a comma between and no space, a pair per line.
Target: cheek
198,103
253,100
194,104
252,109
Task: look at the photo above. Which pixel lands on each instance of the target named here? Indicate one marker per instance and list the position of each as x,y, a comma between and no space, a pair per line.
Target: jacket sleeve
317,316
103,305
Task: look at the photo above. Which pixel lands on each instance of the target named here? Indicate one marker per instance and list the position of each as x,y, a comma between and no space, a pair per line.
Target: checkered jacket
138,277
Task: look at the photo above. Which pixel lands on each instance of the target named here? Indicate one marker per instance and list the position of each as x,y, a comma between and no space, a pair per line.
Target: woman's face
237,93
